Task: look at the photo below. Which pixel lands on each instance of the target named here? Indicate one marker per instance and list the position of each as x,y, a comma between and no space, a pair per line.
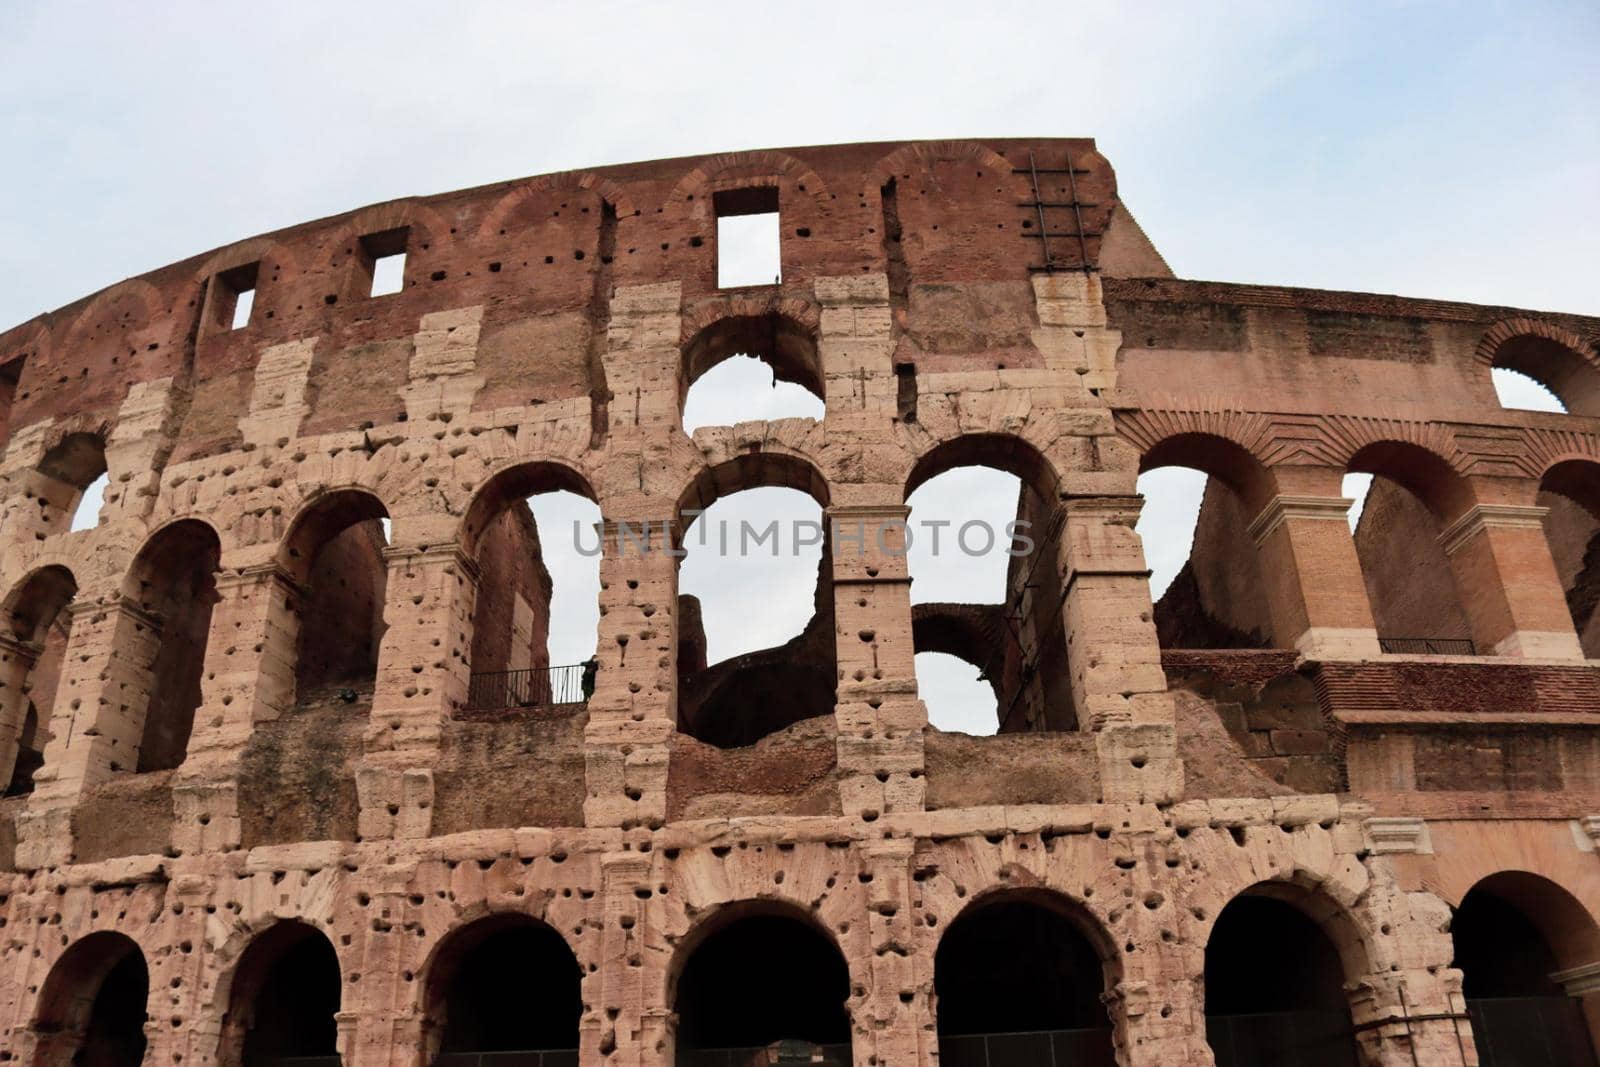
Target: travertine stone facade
1305,744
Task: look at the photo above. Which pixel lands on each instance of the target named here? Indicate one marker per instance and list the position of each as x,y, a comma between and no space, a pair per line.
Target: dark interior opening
1520,1015
114,1036
289,985
1275,990
759,980
178,586
510,985
338,554
1019,984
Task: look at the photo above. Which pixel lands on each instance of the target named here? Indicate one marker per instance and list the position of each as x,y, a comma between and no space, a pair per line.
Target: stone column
1315,591
1508,584
880,719
855,343
96,724
619,1015
248,679
16,663
423,675
894,1022
1118,688
633,712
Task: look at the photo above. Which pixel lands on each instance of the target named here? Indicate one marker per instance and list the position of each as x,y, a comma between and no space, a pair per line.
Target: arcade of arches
309,758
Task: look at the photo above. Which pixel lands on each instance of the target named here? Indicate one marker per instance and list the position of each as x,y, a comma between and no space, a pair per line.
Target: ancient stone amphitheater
292,781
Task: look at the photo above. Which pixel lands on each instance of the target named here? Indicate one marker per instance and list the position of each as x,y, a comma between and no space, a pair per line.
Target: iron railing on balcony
1029,1048
1428,646
542,1058
833,1056
536,687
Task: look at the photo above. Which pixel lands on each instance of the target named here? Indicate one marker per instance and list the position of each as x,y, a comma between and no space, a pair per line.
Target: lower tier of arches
1299,932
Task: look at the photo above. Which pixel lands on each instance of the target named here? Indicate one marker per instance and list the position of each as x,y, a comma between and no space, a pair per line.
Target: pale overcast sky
1431,149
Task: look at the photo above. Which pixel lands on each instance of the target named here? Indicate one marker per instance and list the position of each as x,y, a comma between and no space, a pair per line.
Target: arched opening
335,551
758,978
39,626
1549,376
1274,985
1527,952
1411,583
284,996
73,483
537,613
92,1006
984,541
174,580
1571,492
957,647
748,368
1518,392
504,984
745,673
1201,494
1019,983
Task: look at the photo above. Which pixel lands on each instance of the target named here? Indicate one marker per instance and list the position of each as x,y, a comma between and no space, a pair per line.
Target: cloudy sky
1431,149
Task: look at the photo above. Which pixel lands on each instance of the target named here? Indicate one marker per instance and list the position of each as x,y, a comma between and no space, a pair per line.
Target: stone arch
1555,357
745,169
1032,964
425,222
144,295
567,181
277,981
920,154
172,580
781,332
972,633
252,249
30,339
817,976
94,1000
516,480
1298,1000
1032,667
753,470
36,599
335,552
1569,492
30,670
1006,452
1529,955
552,1004
1231,462
717,703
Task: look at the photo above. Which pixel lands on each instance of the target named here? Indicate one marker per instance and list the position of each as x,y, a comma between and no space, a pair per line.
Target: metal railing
535,687
757,1054
1029,1048
1428,646
530,1058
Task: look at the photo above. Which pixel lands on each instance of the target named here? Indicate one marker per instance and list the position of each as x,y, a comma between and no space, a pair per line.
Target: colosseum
294,783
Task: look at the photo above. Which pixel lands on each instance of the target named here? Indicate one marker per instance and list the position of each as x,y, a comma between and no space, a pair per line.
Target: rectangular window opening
749,246
234,296
10,375
384,257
